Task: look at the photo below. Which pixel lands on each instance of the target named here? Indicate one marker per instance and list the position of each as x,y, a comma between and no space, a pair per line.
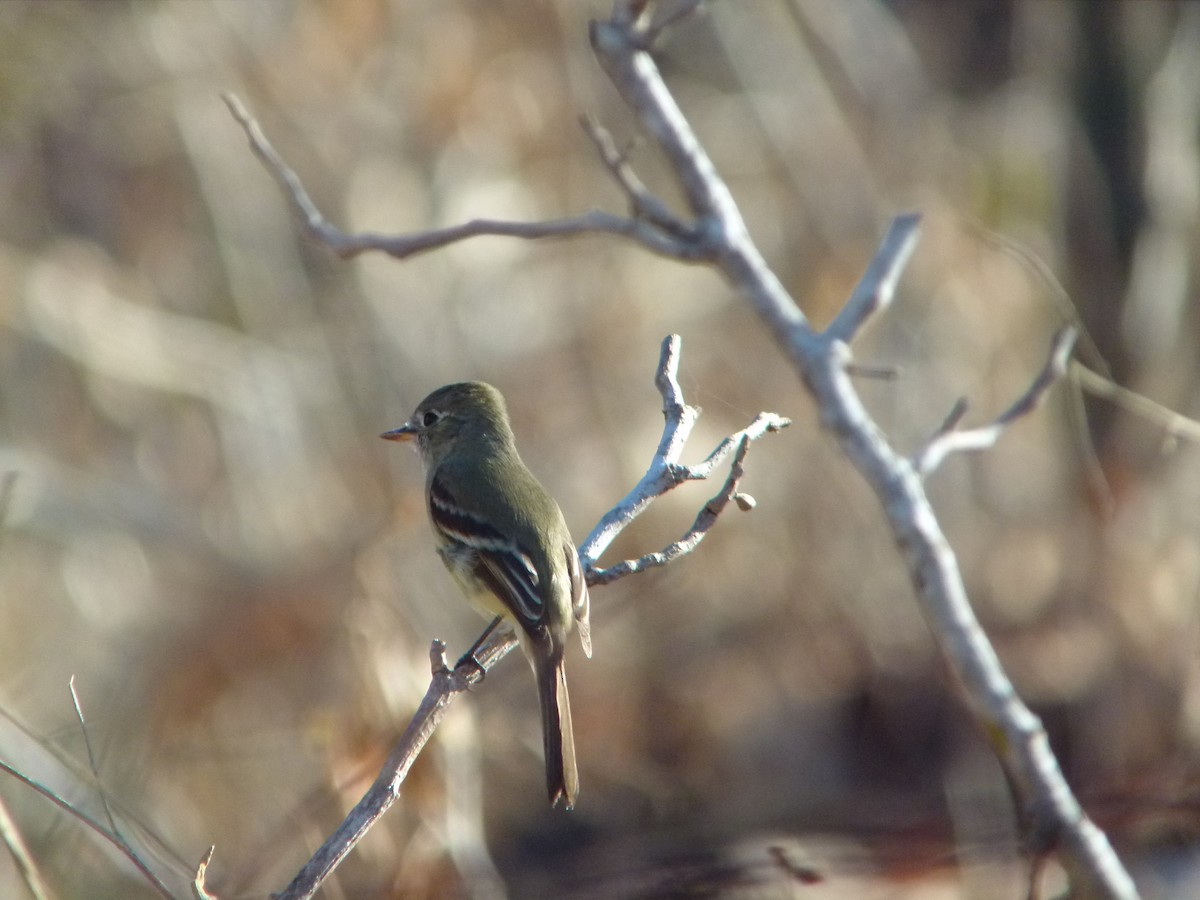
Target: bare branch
199,885
719,235
721,231
1018,737
949,440
665,472
446,684
1173,423
11,835
680,418
115,839
620,45
443,687
642,202
347,246
705,520
878,285
764,423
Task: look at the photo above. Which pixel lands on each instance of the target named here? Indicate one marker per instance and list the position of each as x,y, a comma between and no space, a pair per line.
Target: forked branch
348,245
1056,820
948,439
664,474
717,233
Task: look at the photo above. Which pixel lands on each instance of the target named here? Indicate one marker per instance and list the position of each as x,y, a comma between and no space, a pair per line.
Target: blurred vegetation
203,529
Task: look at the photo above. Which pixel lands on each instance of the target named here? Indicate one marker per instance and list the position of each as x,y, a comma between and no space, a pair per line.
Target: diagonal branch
948,439
110,836
18,849
878,285
705,519
642,202
1176,425
1018,737
444,686
718,234
665,473
644,231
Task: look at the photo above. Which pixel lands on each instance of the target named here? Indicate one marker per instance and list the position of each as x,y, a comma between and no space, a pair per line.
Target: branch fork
445,684
717,234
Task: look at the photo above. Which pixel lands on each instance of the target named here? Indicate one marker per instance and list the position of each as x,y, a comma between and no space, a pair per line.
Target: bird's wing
580,604
505,569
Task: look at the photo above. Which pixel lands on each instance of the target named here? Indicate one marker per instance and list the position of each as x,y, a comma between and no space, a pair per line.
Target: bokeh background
201,526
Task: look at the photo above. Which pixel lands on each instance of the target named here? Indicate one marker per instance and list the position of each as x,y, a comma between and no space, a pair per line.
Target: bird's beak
405,432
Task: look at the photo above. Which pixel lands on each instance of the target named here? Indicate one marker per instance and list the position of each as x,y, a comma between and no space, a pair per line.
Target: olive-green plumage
505,541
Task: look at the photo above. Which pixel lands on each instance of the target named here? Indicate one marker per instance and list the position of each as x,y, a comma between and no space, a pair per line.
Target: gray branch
444,686
718,234
1055,818
347,246
948,439
878,285
705,519
665,472
642,203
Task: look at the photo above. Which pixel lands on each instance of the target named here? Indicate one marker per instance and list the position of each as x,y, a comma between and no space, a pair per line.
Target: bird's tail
562,777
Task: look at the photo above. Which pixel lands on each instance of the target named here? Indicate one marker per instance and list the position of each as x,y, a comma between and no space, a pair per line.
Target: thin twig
403,246
875,290
705,519
878,373
84,779
642,203
446,684
764,423
91,754
443,687
199,883
1174,424
115,839
665,472
1018,736
949,440
11,835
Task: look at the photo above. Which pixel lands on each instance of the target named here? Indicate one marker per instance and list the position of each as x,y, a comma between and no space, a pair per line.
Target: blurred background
201,526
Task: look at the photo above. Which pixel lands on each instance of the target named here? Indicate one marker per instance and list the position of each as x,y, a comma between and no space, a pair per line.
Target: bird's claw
468,660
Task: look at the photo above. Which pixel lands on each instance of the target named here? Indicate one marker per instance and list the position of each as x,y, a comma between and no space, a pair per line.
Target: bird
505,542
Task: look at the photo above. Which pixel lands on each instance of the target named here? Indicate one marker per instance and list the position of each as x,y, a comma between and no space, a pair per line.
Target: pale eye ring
430,417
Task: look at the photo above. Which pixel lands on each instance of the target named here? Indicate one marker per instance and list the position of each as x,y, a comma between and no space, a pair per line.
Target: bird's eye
430,417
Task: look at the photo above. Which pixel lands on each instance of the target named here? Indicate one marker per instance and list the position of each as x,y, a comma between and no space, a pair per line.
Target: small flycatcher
505,541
